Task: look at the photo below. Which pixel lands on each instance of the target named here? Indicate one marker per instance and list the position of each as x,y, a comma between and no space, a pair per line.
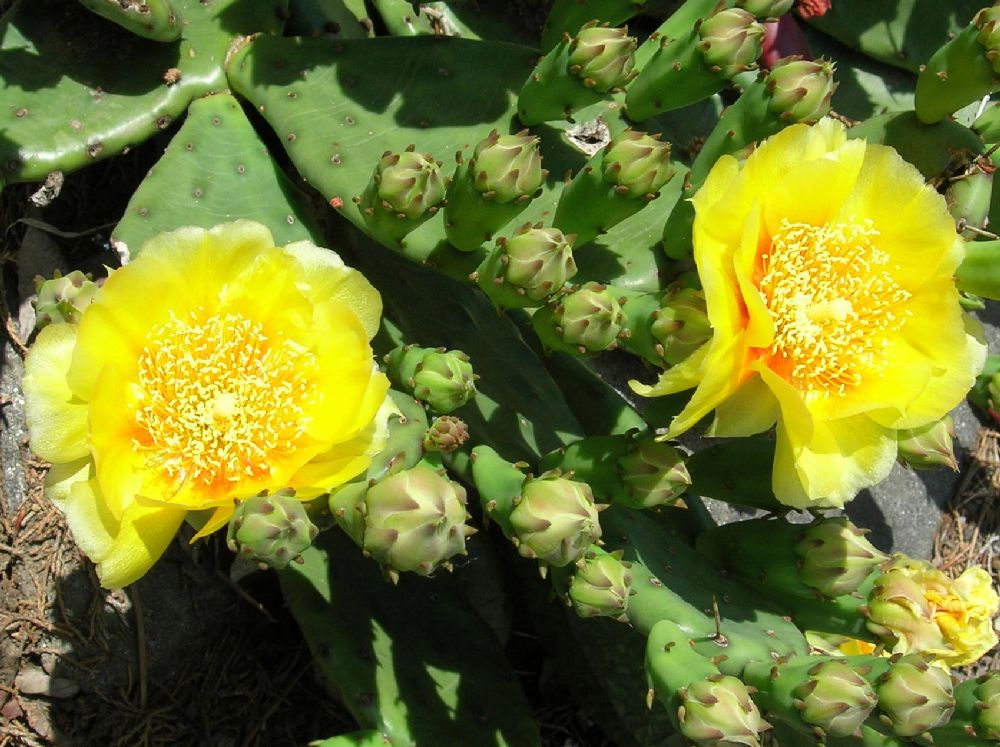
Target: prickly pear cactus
777,210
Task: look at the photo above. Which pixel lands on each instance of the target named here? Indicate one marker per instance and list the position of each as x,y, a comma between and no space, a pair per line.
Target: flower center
218,398
833,302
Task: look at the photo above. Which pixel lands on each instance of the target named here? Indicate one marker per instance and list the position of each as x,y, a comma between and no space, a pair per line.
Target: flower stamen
833,302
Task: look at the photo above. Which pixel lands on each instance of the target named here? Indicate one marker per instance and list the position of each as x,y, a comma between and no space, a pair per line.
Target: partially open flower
915,607
213,367
834,311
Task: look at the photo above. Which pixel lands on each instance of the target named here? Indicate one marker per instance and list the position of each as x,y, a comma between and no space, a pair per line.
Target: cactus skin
492,187
555,519
836,558
442,379
53,121
680,325
614,185
654,474
414,520
930,446
979,272
342,19
406,189
576,73
601,586
969,198
962,71
569,16
768,9
271,529
915,697
152,19
215,170
63,298
587,319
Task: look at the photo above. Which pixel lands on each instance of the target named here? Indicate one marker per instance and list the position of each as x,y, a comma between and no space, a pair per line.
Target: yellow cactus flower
915,607
827,267
213,367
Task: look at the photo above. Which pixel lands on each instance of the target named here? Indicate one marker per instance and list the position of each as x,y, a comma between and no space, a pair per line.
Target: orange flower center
833,302
219,398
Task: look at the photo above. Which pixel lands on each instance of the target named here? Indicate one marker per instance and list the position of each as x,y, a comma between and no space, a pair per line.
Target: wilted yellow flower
915,607
827,267
214,366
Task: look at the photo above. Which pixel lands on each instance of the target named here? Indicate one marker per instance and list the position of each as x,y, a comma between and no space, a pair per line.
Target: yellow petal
685,375
326,277
723,373
219,518
751,409
57,419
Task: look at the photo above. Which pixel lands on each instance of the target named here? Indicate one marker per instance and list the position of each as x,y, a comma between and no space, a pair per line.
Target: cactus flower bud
835,556
719,711
508,167
590,318
988,22
835,698
602,57
914,696
801,89
929,446
601,587
415,520
446,434
654,473
766,8
988,706
539,260
63,298
638,164
731,41
915,607
555,519
681,324
406,189
271,529
444,380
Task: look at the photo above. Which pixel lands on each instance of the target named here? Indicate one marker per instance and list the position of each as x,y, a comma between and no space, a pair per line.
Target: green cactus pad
152,19
412,661
77,88
341,19
215,170
325,102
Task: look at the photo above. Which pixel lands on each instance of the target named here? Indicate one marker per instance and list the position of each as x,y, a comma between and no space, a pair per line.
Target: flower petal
751,409
56,418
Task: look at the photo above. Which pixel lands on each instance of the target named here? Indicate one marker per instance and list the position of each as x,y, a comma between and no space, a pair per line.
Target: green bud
801,89
555,519
929,446
731,41
988,706
766,8
988,22
405,190
590,318
446,434
538,260
681,325
603,57
271,529
654,473
835,556
637,164
415,520
718,711
915,696
835,698
63,298
444,380
601,586
508,167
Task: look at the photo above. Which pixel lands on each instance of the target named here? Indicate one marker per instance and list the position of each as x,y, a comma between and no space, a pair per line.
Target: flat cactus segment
152,19
367,738
736,472
413,660
215,170
341,19
336,117
78,88
904,33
